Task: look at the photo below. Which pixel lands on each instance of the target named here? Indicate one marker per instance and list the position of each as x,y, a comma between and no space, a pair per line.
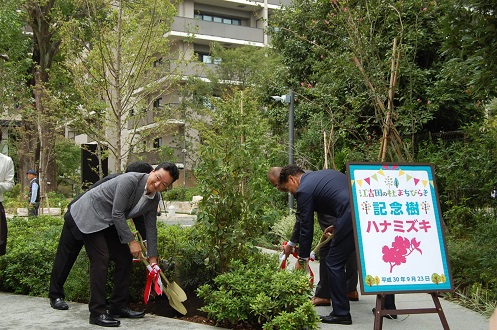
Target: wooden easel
380,312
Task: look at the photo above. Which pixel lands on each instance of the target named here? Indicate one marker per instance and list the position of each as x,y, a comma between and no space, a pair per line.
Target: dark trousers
336,260
3,231
390,301
101,246
33,209
70,244
351,275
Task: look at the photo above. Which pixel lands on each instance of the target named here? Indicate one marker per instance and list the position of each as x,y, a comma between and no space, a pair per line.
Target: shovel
174,300
175,288
179,292
173,291
322,242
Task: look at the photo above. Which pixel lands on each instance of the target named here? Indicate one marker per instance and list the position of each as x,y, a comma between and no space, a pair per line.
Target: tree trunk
46,135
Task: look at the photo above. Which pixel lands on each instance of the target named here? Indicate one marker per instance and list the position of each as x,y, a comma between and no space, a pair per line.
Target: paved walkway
24,312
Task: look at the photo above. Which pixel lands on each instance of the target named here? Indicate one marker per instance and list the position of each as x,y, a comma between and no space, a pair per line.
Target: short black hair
140,167
171,168
288,170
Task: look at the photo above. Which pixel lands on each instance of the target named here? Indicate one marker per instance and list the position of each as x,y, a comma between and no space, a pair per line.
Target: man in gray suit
71,242
100,215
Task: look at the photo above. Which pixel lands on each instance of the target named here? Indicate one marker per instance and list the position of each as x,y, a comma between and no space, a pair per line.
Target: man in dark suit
71,243
100,215
327,192
322,293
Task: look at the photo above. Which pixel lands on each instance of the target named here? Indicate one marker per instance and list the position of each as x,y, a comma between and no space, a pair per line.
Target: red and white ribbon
283,260
153,280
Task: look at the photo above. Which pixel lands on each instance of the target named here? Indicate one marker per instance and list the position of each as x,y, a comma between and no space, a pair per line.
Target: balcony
245,4
206,32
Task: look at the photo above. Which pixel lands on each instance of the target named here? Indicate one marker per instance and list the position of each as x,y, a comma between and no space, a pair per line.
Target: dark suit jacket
324,221
326,192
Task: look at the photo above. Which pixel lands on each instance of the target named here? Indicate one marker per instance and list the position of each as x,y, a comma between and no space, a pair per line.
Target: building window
208,59
157,102
157,143
218,19
206,102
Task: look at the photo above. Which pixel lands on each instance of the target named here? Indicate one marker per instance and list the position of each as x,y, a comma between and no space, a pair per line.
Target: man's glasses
164,184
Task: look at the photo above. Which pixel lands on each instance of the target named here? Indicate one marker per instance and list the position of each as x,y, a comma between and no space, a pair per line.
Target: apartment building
232,23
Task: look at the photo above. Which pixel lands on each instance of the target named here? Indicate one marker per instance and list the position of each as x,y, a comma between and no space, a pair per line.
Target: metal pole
184,158
290,143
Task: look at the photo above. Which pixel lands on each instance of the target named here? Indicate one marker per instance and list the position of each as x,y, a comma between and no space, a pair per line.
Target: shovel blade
174,301
179,307
180,293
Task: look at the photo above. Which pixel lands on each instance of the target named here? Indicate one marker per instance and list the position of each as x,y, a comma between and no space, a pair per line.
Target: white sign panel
398,227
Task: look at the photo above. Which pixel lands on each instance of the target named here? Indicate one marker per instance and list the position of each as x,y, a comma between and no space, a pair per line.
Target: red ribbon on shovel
153,279
325,238
283,257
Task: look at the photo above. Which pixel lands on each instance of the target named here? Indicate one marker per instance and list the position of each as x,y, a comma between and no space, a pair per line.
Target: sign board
398,228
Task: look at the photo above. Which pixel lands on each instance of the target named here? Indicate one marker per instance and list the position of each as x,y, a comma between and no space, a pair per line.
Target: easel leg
378,318
440,311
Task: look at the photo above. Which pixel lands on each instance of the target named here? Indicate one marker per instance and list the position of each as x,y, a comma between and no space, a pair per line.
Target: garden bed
160,306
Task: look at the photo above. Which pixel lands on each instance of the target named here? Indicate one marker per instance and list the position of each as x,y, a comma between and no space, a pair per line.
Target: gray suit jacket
111,203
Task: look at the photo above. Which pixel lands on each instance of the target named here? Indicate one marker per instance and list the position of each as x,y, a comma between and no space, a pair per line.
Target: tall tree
15,62
370,65
234,157
122,64
42,20
258,70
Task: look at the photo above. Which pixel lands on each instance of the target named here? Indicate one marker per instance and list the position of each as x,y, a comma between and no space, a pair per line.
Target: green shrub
256,292
30,252
180,194
32,244
303,317
460,220
282,230
183,247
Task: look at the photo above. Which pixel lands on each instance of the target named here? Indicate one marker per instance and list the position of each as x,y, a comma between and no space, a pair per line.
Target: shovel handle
145,261
325,239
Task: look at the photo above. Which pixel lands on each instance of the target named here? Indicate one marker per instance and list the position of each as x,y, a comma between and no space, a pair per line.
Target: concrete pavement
24,312
21,312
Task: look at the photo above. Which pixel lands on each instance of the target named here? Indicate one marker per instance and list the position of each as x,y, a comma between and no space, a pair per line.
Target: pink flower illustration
401,248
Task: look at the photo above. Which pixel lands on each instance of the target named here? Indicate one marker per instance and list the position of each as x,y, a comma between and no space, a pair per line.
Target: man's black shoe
104,320
59,303
337,319
388,316
126,313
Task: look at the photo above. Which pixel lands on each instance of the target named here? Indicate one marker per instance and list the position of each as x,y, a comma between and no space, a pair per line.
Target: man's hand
155,268
301,264
135,249
287,250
